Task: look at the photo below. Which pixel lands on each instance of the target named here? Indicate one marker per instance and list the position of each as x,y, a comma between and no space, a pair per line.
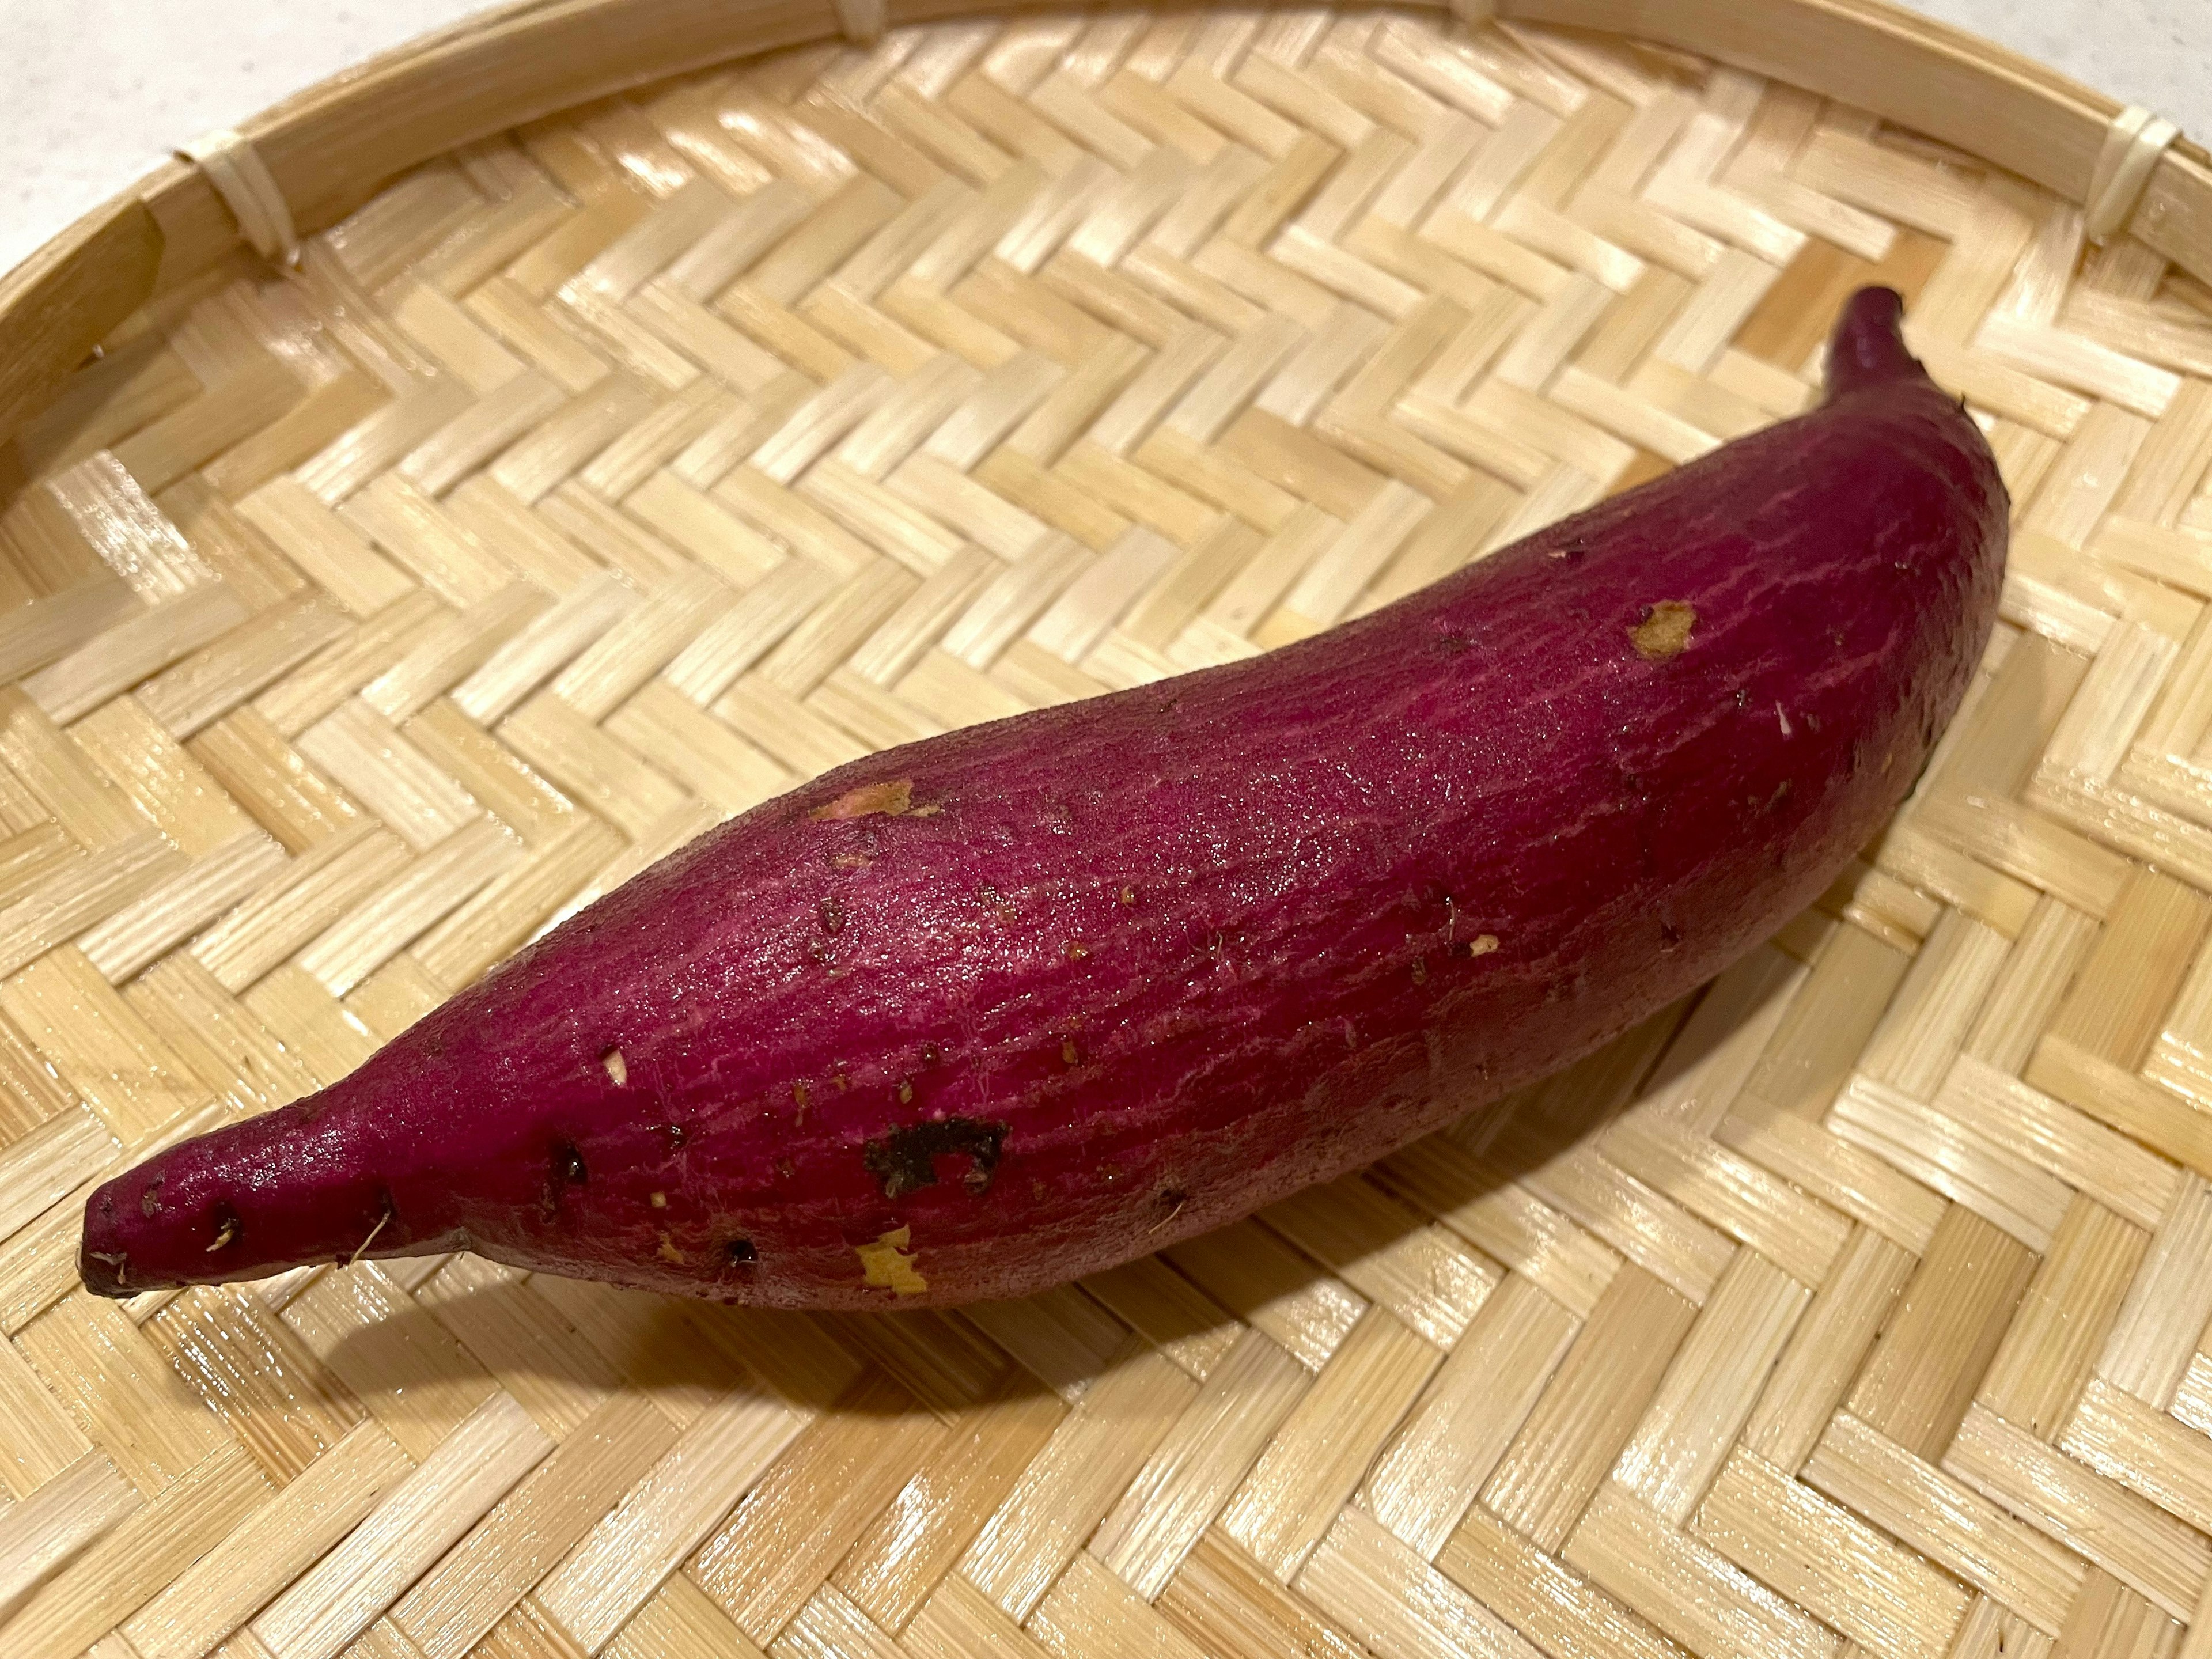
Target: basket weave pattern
360,621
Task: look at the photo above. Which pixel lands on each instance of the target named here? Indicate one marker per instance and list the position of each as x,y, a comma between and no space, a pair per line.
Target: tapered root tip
1867,347
243,1201
103,1261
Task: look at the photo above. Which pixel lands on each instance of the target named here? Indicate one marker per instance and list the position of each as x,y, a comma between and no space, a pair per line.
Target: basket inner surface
603,480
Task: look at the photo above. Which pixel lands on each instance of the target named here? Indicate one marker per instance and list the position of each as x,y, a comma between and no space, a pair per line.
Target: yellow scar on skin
891,800
1665,632
887,1265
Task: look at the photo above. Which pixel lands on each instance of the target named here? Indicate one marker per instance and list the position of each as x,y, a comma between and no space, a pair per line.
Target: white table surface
94,92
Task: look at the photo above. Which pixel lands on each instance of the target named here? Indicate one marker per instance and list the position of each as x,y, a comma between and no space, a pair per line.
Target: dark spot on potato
931,1054
1453,645
1075,950
118,1260
740,1253
676,1136
833,916
1128,895
1068,1052
800,1096
150,1201
905,1158
1670,936
564,1169
224,1221
905,1091
786,1169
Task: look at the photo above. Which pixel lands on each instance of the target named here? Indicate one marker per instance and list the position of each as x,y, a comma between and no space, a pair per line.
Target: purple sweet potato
973,1016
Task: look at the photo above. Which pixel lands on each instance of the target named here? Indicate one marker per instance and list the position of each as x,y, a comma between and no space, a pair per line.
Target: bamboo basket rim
331,146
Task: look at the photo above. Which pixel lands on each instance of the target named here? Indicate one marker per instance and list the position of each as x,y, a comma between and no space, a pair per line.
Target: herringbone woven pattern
600,482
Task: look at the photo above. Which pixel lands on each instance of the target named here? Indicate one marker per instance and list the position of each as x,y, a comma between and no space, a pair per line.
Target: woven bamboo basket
427,506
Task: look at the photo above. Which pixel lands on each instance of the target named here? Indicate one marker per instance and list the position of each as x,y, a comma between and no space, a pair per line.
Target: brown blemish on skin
905,1158
226,1230
1128,895
659,1200
892,800
1075,950
617,1067
741,1252
150,1201
1068,1052
120,1261
1482,944
669,1253
1665,630
887,1265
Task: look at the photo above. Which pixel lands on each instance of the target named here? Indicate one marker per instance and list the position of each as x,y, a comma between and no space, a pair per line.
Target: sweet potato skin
972,1016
